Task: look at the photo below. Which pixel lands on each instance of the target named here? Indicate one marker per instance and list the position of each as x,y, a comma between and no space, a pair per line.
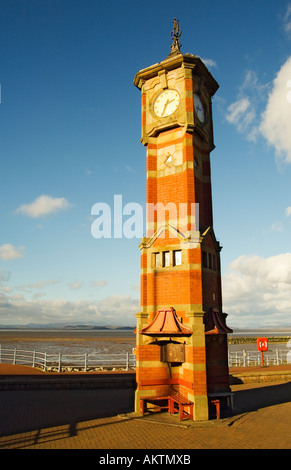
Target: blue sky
70,137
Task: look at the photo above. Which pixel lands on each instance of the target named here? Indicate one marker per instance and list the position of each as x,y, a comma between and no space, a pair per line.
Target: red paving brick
104,419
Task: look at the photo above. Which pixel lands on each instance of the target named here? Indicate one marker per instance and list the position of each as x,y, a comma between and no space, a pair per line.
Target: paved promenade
104,419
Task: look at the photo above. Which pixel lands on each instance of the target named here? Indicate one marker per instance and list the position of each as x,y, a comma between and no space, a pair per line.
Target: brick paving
104,419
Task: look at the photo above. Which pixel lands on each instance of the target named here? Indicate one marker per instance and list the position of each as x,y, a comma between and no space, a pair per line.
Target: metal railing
86,362
254,358
68,362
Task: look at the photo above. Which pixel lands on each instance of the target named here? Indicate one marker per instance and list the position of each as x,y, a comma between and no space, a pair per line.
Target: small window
209,260
214,262
157,260
177,258
204,259
166,258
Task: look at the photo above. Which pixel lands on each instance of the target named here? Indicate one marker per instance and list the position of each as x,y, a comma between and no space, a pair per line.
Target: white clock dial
166,103
199,108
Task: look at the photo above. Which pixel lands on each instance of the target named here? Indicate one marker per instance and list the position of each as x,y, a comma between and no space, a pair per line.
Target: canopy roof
214,323
166,323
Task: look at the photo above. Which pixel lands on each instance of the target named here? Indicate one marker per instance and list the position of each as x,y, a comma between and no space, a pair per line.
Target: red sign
262,344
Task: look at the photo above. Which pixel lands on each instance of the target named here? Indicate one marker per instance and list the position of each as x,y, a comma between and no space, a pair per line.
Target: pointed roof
166,323
214,324
209,232
190,237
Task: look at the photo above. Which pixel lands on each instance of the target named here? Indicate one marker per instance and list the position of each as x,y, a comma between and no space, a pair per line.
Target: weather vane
175,34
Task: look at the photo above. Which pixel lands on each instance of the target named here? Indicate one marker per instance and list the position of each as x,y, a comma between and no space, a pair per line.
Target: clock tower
181,344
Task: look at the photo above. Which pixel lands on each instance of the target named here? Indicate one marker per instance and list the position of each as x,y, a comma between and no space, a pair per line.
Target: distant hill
64,326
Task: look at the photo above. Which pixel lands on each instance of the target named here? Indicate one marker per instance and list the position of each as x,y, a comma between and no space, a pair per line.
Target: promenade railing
68,362
61,362
254,358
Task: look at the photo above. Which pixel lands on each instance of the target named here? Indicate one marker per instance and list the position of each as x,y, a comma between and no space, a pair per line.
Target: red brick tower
181,333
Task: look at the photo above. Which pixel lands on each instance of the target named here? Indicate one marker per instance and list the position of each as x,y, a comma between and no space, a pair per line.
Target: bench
214,400
173,403
143,401
182,403
227,395
216,403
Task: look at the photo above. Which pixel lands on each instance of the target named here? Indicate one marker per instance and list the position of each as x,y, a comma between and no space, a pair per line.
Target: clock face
166,103
199,108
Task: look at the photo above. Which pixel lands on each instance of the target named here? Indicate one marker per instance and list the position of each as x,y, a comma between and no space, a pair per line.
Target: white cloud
129,169
209,62
277,227
42,206
41,284
75,285
287,21
273,122
5,289
256,291
276,119
288,211
8,251
38,295
242,113
100,283
118,305
236,109
252,86
114,310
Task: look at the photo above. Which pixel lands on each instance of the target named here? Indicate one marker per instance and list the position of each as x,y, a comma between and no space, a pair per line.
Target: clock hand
166,104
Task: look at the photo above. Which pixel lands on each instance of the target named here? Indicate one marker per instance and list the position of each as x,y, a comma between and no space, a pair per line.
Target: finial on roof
175,34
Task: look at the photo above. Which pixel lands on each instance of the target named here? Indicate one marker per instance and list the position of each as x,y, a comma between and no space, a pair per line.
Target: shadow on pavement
37,411
24,411
262,396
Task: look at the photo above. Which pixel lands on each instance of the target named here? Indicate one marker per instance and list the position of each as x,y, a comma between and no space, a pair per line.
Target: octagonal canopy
166,323
214,323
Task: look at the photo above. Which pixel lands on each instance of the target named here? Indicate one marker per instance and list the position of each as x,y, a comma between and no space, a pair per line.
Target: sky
70,138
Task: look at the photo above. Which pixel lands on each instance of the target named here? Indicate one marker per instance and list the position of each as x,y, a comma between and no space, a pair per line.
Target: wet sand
69,341
102,341
60,339
66,335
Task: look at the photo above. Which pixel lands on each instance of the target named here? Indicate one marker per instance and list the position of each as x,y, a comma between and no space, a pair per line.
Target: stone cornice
179,60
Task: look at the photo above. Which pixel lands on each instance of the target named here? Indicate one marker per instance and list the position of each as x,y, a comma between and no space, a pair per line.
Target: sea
106,341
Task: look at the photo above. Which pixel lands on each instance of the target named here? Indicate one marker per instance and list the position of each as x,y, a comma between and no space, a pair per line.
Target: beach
70,341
